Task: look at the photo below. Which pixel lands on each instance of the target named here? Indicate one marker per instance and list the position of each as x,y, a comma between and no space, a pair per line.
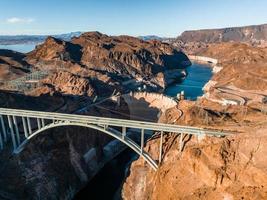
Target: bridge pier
1,141
38,123
16,129
105,127
181,142
25,128
160,147
43,122
29,126
123,132
10,124
201,136
142,140
3,127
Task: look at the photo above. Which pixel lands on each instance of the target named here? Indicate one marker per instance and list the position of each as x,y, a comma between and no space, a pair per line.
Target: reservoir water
192,84
23,48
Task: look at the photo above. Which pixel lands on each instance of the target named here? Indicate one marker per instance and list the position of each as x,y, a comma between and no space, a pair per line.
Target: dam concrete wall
203,59
147,106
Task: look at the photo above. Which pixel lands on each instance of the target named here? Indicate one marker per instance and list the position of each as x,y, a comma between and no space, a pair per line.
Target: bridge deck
10,118
111,122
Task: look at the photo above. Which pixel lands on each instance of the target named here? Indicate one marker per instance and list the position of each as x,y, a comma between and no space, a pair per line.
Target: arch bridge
33,123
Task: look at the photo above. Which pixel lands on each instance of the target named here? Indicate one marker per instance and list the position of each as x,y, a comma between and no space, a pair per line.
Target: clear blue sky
132,17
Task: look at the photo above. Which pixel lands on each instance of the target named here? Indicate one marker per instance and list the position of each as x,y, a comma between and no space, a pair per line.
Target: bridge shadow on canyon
63,160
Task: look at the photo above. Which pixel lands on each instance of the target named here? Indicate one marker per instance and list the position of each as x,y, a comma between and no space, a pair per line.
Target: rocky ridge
119,56
255,34
12,65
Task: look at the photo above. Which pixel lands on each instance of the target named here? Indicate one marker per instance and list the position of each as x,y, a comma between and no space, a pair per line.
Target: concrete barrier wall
160,101
203,59
146,105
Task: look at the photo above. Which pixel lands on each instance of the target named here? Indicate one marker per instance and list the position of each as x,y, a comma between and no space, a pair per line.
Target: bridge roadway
10,118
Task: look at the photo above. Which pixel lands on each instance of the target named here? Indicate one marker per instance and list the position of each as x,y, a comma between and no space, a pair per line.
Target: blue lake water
198,76
23,48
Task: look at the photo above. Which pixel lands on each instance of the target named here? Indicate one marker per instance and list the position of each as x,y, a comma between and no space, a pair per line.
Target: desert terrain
80,75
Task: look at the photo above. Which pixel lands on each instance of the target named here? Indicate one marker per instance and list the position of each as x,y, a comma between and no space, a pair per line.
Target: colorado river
192,84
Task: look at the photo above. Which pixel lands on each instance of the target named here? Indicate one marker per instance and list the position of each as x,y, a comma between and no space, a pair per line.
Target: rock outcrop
56,49
118,56
195,41
67,83
251,34
12,65
108,60
243,65
125,54
211,169
207,168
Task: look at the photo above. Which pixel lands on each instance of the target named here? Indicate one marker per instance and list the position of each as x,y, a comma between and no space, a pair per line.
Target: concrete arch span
107,130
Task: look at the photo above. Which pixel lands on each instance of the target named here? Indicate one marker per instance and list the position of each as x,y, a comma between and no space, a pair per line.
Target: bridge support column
200,136
123,132
181,143
25,127
1,141
16,129
43,122
12,132
29,125
118,101
105,127
142,140
160,147
3,127
38,123
94,100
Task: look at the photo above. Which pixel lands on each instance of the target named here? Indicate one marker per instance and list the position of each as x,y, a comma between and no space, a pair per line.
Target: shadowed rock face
122,54
67,83
12,64
99,57
127,54
55,49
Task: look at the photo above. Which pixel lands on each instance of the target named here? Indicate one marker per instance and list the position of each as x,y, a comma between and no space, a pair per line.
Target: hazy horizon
167,18
128,34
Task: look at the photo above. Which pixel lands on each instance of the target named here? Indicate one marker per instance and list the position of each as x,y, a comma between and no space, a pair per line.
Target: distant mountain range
34,39
252,33
151,37
249,34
